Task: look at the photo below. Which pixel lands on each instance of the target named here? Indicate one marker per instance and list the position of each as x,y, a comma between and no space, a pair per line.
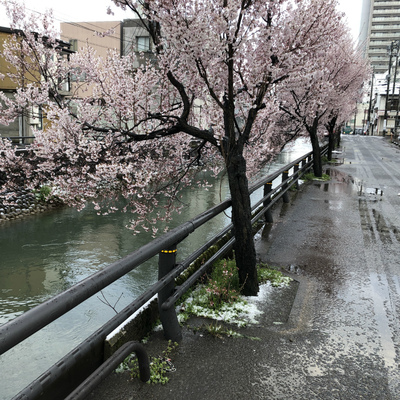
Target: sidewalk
332,335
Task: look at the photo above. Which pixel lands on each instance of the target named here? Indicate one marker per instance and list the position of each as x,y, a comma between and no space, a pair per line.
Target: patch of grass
311,177
267,273
219,331
325,160
219,297
159,366
43,193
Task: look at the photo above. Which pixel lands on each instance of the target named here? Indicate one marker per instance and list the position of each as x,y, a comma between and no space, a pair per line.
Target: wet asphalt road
335,335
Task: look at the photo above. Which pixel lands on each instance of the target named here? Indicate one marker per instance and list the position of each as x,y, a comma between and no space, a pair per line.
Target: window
143,43
74,44
36,117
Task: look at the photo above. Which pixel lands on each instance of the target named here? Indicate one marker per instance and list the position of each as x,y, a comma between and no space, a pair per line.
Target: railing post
169,319
268,214
304,165
285,175
296,175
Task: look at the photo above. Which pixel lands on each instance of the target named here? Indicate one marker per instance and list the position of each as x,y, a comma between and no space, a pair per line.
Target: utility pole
370,102
395,70
393,46
355,120
396,122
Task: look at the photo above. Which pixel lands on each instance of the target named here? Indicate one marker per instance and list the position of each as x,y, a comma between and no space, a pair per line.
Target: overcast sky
352,8
96,10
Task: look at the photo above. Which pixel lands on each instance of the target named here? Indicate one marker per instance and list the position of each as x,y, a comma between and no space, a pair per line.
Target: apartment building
125,36
380,26
20,131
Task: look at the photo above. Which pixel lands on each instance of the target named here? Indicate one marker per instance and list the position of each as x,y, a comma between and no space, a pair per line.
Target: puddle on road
367,190
343,183
381,300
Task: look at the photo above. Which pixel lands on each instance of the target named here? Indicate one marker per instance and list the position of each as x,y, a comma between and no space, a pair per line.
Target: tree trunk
330,126
317,161
338,137
331,145
245,253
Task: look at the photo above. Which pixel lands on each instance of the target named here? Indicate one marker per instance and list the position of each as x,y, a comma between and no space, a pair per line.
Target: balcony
378,52
382,42
387,12
390,19
386,4
386,36
386,28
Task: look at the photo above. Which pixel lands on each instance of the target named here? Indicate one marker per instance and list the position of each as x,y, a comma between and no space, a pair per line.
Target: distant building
135,38
83,34
102,35
380,39
20,131
126,37
384,106
380,26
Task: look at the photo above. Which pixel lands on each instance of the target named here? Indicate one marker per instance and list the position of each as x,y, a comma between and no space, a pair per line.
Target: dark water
43,255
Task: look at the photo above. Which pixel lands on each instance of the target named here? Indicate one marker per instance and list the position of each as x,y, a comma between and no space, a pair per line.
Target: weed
43,193
223,285
159,366
219,331
215,329
311,177
276,278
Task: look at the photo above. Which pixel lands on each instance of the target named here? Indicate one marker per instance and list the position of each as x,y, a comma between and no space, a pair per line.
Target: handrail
15,331
86,387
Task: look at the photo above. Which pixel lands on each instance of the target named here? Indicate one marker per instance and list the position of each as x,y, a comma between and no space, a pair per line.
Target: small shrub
223,285
43,193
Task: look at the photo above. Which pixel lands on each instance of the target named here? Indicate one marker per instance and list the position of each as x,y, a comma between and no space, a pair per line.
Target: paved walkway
337,336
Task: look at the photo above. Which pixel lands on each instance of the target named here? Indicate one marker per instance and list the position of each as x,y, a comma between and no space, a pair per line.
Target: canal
45,254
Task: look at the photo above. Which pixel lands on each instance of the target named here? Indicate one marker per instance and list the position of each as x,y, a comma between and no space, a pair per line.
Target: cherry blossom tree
323,95
140,134
350,72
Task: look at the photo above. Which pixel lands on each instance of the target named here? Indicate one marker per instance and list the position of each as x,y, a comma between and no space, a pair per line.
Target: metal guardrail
86,387
165,246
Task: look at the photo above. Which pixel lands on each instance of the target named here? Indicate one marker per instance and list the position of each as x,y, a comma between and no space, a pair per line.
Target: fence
80,363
